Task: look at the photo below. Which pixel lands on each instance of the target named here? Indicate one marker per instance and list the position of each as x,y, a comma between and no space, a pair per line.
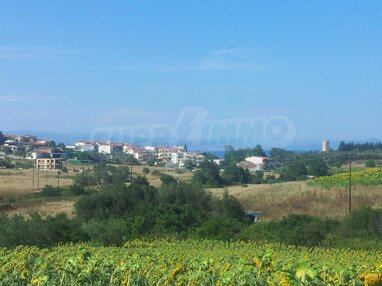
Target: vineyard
164,262
369,177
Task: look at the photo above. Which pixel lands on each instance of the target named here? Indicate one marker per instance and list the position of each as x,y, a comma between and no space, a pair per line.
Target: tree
294,171
51,144
317,167
208,174
234,174
167,179
2,138
258,151
61,145
189,165
370,164
280,155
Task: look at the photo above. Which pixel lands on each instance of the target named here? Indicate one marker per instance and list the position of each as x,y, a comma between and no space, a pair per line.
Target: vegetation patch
369,177
189,262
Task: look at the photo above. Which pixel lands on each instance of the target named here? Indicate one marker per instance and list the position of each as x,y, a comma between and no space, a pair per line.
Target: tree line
351,146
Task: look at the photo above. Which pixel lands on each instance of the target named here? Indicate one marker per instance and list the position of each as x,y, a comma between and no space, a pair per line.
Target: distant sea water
218,153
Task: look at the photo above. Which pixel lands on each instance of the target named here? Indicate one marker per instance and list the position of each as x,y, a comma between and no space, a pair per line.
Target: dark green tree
208,174
2,138
294,171
317,167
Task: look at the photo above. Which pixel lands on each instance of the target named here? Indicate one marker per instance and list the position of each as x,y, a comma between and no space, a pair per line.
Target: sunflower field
189,262
368,177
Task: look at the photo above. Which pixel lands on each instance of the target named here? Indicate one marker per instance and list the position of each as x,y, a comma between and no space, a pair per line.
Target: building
195,158
47,152
252,167
5,150
325,146
84,146
218,162
165,153
177,158
49,164
144,155
105,149
129,149
262,163
254,215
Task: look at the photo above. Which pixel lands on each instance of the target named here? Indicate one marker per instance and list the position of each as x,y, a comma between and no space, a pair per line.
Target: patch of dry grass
20,182
279,200
45,209
155,179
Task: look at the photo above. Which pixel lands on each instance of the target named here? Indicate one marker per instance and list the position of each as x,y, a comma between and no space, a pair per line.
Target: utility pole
34,166
58,179
38,178
131,173
350,183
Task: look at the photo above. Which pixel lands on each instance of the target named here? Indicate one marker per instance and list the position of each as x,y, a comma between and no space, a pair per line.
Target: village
51,156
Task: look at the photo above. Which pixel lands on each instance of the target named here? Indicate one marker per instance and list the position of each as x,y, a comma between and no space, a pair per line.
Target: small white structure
325,146
145,155
85,146
260,162
128,149
177,158
252,167
218,162
194,157
150,148
254,215
105,149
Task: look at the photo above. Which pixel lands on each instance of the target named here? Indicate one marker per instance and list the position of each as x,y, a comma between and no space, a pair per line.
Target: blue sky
80,66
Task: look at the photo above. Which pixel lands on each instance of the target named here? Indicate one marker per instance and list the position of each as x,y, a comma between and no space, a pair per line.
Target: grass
155,179
45,208
279,200
274,200
17,189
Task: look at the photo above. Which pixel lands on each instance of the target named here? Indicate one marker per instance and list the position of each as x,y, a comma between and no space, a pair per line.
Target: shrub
50,191
74,190
370,164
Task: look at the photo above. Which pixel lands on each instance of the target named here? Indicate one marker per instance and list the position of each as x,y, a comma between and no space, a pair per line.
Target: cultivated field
190,262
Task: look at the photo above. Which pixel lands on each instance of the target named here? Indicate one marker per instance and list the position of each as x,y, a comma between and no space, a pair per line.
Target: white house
85,146
218,162
145,155
194,157
177,158
105,148
260,162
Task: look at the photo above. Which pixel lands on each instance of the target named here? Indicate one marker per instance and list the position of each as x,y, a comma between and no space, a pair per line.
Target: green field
164,262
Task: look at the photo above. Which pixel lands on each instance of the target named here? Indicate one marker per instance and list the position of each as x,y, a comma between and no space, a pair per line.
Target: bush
167,179
50,191
295,229
74,190
155,173
370,164
146,170
364,222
